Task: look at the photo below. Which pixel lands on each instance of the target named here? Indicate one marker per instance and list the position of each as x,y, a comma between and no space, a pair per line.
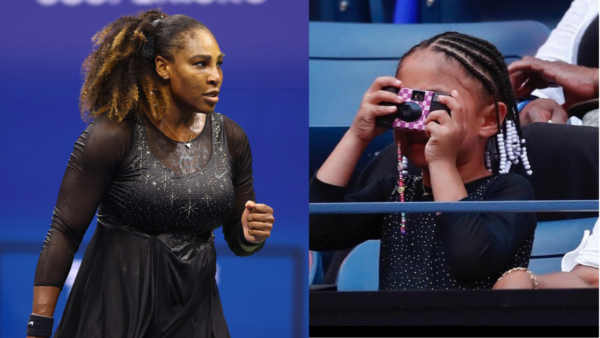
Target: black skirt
132,285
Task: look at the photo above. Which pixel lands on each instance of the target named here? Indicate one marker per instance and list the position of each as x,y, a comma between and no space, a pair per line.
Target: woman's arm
236,235
44,301
97,156
46,297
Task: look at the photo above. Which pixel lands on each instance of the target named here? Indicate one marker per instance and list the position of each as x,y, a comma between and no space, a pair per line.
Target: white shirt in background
563,42
586,253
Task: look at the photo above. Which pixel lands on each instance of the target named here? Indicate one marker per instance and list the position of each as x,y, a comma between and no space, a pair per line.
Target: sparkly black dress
149,269
466,250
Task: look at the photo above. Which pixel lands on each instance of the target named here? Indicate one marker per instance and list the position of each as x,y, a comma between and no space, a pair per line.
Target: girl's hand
514,280
364,127
257,222
446,133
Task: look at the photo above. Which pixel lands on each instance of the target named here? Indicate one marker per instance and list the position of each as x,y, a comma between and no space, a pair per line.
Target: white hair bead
511,149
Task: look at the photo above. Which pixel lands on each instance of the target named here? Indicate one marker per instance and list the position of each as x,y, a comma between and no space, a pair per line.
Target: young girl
463,156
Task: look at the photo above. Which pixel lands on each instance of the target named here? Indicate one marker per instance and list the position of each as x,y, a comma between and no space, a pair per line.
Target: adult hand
579,83
257,221
542,110
364,127
446,132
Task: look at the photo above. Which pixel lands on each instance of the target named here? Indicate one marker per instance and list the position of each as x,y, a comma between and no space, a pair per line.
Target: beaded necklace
401,172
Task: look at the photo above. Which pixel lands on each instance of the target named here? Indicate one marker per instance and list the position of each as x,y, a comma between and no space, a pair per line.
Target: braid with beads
485,63
118,78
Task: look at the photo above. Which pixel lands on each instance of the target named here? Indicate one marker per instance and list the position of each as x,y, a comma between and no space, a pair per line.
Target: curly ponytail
119,80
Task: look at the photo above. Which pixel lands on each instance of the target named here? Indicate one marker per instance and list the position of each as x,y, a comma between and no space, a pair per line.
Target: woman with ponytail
163,171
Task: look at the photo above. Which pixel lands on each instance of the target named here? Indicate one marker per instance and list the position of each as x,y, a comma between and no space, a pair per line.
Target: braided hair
485,64
120,74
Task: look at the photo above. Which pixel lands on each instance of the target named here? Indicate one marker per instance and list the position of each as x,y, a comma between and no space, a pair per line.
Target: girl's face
430,70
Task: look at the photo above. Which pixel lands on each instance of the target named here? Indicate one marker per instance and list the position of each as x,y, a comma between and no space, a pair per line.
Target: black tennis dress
149,269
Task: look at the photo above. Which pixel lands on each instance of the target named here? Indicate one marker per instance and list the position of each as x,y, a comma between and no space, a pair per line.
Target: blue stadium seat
345,58
360,269
352,10
315,268
438,11
549,13
553,239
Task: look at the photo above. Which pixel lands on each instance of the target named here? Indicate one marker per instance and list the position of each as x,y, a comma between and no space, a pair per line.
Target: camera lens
409,112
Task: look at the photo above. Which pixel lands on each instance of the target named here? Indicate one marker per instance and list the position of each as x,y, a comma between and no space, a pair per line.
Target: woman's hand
257,221
446,133
364,127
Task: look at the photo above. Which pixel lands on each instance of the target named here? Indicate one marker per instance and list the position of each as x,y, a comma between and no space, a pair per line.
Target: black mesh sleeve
243,183
338,232
493,238
99,153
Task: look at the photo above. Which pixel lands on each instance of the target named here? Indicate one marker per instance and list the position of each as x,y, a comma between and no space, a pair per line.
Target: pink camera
411,114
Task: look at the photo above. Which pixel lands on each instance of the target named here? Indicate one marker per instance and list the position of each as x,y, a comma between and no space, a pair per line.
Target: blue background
265,90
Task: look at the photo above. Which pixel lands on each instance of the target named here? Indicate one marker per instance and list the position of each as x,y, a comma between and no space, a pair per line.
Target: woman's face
195,76
430,70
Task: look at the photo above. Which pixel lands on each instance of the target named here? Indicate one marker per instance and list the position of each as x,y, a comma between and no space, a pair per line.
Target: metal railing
464,206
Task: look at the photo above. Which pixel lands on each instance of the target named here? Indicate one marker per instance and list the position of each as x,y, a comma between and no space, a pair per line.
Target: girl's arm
480,244
340,164
556,280
338,232
335,232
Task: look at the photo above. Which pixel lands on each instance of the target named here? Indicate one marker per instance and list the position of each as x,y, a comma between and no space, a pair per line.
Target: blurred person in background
164,171
547,86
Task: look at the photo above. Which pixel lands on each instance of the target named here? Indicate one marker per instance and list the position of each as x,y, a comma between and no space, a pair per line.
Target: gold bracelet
531,275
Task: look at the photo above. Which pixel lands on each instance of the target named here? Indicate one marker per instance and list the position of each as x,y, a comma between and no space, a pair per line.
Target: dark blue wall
265,90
